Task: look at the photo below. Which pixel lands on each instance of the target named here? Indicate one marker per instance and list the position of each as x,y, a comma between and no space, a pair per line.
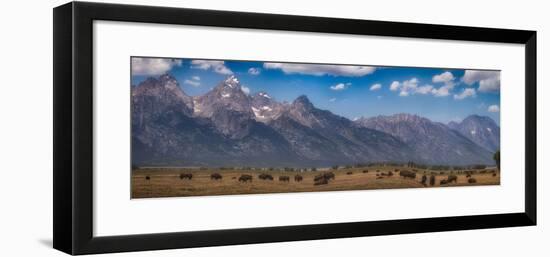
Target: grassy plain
166,182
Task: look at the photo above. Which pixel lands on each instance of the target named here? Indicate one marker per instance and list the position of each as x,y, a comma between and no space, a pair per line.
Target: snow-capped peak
231,81
264,95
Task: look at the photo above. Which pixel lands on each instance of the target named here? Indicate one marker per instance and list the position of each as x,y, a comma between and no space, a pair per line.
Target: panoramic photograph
202,127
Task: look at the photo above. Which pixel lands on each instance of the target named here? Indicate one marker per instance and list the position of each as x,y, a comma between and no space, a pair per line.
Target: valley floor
167,182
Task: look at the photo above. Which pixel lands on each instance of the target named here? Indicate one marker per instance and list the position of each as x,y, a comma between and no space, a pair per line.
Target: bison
284,178
365,171
432,180
407,174
324,178
349,173
494,174
452,178
443,182
147,177
472,180
424,180
245,178
321,181
265,177
298,178
186,176
215,176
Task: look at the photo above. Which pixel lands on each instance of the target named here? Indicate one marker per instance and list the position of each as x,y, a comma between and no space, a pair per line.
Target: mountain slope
480,129
434,142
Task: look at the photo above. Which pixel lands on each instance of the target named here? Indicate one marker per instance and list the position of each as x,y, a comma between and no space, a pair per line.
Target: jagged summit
225,126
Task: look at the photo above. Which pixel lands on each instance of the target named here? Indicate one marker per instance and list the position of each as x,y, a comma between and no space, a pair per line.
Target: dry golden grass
166,182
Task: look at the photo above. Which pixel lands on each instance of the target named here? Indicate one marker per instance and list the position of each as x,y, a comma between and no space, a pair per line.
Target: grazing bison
329,175
432,180
424,180
452,178
321,181
390,174
186,176
494,174
298,178
407,174
147,177
284,178
472,180
215,176
443,182
468,176
265,177
365,171
349,173
245,178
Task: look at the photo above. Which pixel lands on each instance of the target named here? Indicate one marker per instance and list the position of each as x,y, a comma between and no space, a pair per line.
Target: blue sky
348,90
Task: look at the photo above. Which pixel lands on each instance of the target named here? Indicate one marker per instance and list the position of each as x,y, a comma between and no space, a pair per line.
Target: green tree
496,157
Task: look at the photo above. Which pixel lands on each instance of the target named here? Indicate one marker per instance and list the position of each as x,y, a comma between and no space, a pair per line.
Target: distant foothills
227,127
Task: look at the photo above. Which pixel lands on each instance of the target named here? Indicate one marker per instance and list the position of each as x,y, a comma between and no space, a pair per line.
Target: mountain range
227,127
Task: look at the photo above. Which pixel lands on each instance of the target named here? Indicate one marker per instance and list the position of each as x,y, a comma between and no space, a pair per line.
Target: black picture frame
73,127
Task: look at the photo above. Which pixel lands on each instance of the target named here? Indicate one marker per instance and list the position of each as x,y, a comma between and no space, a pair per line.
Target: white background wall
26,128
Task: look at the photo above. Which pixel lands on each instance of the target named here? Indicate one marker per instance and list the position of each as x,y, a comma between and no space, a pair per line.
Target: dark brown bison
186,176
468,175
349,173
265,177
215,176
443,182
472,180
284,178
407,174
298,178
494,174
321,181
432,180
329,175
365,171
424,180
452,178
245,178
147,177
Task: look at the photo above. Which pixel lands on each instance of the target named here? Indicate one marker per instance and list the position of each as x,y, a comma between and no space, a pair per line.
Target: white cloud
395,86
193,83
197,78
153,66
321,69
445,77
468,92
340,86
254,71
375,87
245,89
407,87
493,108
442,91
332,100
424,89
216,66
489,85
489,81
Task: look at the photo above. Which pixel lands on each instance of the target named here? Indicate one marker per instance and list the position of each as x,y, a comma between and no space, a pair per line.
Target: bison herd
325,177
